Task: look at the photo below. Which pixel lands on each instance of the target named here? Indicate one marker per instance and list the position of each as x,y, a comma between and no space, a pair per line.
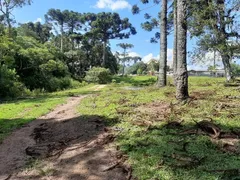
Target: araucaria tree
153,23
175,35
6,8
181,70
162,78
124,55
216,26
56,16
110,26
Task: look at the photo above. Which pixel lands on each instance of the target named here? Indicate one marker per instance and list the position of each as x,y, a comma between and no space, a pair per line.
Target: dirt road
62,145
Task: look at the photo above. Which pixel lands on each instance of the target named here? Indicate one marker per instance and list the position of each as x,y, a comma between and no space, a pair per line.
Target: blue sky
142,46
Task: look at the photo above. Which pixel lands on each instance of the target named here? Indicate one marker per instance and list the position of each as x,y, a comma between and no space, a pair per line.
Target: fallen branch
8,177
112,166
129,176
208,127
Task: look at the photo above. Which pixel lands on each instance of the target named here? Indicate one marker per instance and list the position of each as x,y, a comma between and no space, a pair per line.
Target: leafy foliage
236,69
98,75
137,68
216,27
9,84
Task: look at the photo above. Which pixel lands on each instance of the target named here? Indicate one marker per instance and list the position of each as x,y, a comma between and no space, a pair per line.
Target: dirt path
68,146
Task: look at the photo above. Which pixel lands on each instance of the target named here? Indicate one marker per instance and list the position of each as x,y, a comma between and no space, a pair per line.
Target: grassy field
158,146
159,135
14,114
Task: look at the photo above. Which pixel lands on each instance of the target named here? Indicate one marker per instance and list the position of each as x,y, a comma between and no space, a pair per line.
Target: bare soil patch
66,146
157,111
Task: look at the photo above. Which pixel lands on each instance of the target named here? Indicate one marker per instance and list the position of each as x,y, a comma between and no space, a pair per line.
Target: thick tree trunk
104,54
175,42
182,74
223,36
227,67
162,79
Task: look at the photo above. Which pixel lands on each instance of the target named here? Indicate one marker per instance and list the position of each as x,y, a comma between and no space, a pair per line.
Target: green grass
14,114
152,151
135,80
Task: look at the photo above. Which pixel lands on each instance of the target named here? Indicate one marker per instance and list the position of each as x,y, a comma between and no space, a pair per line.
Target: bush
98,75
134,69
9,84
56,84
139,71
236,69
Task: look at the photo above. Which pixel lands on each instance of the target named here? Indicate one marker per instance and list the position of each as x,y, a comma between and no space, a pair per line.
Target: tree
137,68
124,46
216,26
41,32
175,36
6,8
162,78
108,26
57,17
153,23
153,65
181,73
73,24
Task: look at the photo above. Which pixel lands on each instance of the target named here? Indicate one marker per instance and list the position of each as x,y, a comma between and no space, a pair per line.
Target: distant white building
216,73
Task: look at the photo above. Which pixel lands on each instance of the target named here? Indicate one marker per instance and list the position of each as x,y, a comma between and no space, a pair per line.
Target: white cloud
38,20
112,4
133,54
150,56
130,53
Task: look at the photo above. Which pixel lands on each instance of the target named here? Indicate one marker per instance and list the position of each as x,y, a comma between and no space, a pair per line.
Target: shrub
65,83
56,84
139,71
98,75
114,81
236,69
9,84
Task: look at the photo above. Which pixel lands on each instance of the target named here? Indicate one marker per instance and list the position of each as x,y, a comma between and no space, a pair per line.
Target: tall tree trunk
61,38
214,63
227,67
223,36
124,57
104,53
9,25
123,71
175,42
162,79
182,74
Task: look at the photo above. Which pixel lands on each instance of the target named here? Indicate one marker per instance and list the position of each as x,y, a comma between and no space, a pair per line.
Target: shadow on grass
36,104
161,152
168,153
71,149
43,97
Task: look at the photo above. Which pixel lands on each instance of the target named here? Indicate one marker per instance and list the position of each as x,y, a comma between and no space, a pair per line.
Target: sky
141,41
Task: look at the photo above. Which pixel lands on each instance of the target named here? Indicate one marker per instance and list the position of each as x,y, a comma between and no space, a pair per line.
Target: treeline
54,55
